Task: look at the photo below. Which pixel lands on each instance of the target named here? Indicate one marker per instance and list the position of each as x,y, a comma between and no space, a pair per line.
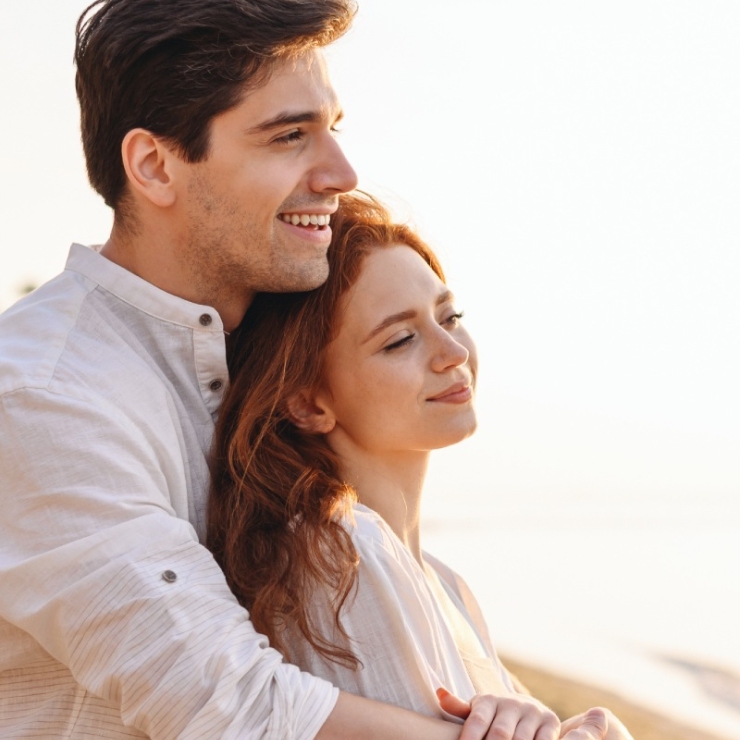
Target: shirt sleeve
98,569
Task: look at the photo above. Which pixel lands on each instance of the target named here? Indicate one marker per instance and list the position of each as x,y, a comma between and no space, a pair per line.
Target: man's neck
157,260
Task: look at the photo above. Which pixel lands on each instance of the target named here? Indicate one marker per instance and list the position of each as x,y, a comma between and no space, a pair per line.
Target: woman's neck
392,487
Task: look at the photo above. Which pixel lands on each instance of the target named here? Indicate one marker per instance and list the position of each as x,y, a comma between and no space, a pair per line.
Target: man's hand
510,717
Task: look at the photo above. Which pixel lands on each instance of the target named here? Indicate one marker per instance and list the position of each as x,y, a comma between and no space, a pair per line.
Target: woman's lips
458,393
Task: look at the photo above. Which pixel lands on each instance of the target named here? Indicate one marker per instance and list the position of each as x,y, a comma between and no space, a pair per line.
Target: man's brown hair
171,66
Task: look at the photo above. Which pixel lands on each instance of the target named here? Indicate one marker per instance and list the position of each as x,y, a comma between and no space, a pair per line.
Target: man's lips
311,227
456,393
313,219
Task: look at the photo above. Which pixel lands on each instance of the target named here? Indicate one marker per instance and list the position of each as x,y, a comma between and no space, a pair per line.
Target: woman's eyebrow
389,321
444,297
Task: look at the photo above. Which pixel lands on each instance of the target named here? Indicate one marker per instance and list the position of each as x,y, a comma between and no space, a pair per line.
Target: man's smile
318,221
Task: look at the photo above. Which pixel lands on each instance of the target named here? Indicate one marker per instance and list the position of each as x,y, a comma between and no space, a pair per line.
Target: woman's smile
457,393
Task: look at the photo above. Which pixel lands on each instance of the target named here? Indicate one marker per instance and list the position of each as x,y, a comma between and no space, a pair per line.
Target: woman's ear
309,414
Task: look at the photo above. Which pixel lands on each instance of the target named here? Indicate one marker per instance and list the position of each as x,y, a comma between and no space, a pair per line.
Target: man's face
273,161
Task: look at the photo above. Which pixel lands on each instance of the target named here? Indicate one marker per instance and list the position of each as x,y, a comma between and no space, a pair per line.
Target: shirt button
216,385
170,576
206,319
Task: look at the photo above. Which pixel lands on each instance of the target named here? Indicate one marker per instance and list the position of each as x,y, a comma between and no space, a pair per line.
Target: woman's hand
488,717
510,717
615,729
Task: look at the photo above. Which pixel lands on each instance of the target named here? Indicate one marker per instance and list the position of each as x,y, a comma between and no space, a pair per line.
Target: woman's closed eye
402,342
452,321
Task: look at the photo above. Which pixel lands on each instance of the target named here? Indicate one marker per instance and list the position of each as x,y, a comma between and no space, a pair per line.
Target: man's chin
307,279
316,276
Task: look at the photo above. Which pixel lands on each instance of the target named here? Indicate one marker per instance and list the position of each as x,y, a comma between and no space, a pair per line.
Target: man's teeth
305,219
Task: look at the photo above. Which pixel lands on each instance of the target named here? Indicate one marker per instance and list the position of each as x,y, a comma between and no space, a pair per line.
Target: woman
338,397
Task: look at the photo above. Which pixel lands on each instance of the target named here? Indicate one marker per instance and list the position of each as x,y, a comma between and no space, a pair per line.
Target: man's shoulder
34,331
64,337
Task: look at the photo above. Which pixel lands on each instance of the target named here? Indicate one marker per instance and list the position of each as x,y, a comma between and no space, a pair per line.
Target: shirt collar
139,293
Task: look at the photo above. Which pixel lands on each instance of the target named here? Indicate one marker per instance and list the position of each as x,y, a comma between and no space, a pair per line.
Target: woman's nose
450,352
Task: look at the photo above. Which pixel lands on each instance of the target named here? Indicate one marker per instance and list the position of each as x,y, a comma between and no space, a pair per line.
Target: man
208,127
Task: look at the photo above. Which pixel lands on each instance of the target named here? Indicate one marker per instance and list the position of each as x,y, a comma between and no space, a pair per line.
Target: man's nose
333,173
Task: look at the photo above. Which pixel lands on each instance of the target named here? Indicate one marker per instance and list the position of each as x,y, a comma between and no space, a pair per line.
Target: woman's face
399,376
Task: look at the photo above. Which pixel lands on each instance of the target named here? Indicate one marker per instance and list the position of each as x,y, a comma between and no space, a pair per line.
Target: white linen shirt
114,621
413,629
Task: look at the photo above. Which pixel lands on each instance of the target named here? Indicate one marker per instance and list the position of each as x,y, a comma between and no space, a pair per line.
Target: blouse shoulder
377,544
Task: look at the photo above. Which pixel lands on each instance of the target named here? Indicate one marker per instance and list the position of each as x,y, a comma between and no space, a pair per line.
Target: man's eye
290,138
399,343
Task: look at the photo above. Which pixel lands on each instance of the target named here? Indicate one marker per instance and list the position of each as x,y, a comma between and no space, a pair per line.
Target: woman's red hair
277,499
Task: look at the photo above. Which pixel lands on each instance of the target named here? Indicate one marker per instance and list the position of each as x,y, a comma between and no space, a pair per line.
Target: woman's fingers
503,718
615,729
519,719
452,704
591,725
478,721
546,725
505,722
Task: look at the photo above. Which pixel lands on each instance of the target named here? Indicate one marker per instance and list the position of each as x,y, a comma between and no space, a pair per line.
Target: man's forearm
355,718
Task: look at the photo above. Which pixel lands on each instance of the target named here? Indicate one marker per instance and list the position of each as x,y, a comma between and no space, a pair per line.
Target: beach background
577,167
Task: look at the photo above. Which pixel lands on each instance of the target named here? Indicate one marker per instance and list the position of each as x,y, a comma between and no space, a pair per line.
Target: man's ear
309,414
149,165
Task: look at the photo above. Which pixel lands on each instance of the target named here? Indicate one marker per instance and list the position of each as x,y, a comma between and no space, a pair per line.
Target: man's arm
96,567
355,718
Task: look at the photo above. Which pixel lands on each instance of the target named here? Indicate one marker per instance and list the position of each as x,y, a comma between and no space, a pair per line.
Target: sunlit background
577,167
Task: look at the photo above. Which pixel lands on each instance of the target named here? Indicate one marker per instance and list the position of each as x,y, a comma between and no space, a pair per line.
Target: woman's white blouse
408,626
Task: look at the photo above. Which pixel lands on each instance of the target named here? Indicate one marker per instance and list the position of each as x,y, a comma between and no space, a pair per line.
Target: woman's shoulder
377,545
369,529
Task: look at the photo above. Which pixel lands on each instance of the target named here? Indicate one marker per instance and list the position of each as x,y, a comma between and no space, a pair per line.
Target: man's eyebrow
394,318
291,119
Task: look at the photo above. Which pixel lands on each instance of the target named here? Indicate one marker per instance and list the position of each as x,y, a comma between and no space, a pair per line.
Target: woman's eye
400,343
454,320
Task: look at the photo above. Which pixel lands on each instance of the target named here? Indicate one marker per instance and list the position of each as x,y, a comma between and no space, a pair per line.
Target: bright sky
577,166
